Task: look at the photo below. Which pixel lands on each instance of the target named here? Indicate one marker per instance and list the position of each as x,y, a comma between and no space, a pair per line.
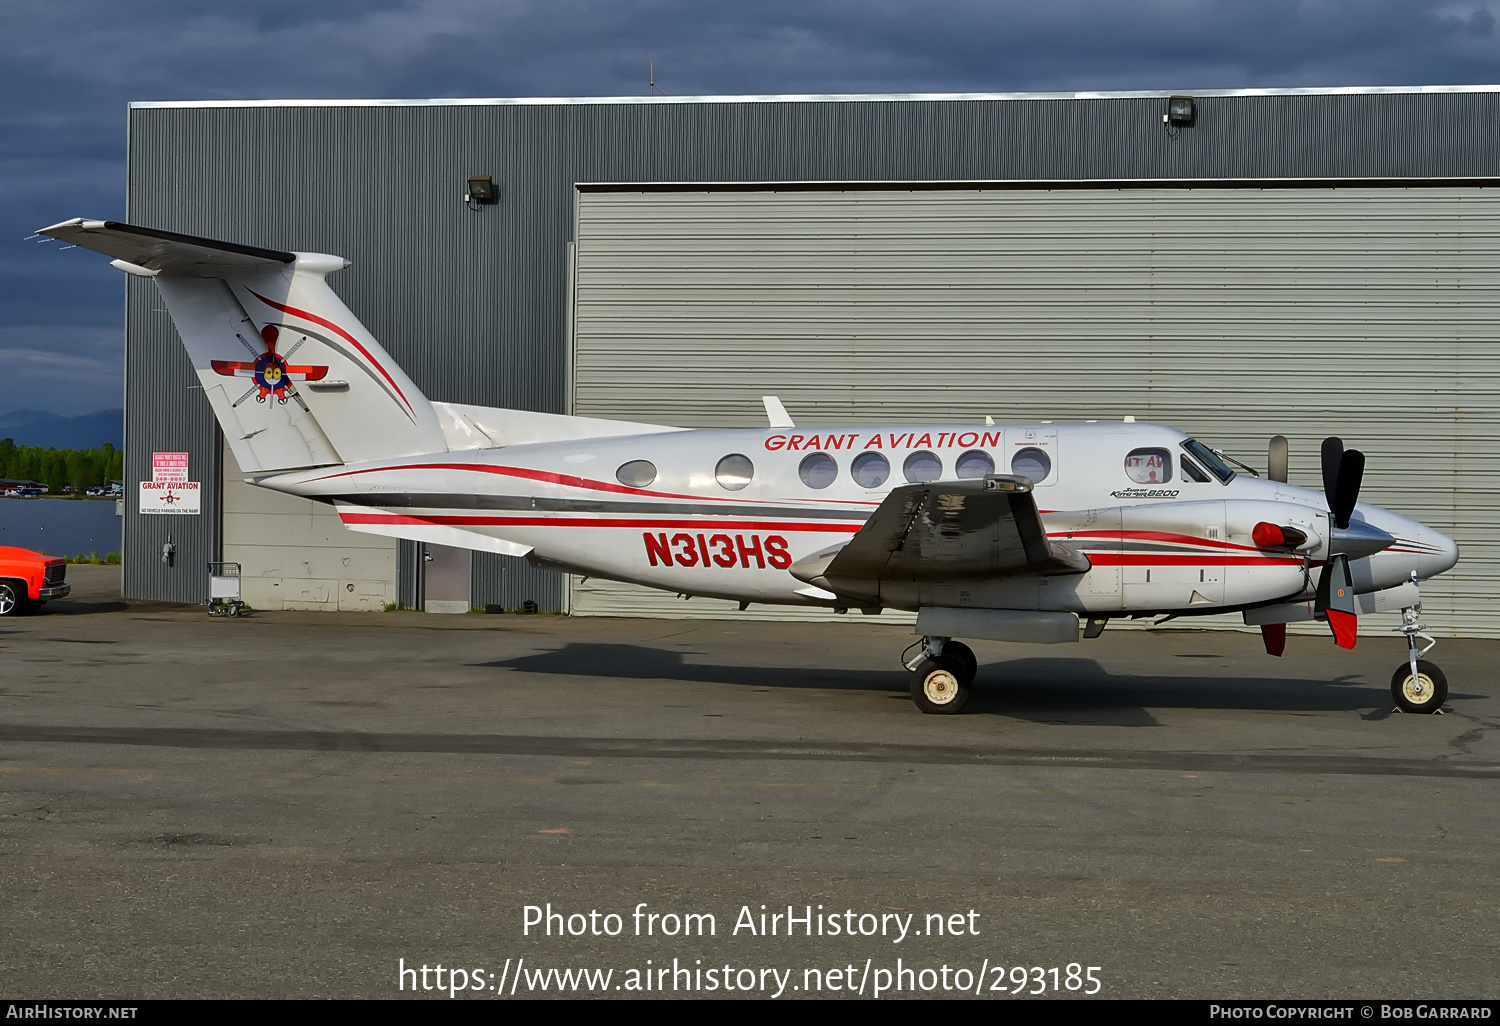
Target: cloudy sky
69,67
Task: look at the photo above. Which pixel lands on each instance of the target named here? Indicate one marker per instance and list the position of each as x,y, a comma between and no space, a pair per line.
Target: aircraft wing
946,531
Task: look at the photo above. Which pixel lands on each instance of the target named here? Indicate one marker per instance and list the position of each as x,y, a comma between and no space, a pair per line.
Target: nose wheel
942,675
1418,686
1423,690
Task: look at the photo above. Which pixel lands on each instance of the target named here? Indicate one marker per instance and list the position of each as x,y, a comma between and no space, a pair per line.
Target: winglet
776,413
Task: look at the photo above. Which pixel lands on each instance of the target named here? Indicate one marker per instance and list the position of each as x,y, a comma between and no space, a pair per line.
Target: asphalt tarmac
300,804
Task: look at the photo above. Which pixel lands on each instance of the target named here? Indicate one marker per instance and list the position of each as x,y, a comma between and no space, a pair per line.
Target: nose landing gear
1417,685
942,673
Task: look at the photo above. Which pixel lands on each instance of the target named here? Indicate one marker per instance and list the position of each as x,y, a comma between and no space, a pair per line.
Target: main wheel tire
12,598
1425,693
940,685
964,656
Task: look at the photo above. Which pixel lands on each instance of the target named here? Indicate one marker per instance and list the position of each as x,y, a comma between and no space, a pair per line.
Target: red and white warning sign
171,497
169,466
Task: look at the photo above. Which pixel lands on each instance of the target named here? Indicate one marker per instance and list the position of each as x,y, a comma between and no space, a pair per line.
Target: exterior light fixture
1181,112
481,191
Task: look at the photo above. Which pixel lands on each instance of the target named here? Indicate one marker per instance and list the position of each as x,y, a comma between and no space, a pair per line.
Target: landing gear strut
1417,685
942,673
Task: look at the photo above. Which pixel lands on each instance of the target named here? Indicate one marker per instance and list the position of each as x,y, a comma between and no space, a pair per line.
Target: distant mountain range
36,427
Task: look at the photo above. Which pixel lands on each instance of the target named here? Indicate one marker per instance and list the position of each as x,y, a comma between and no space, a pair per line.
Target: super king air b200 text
1010,532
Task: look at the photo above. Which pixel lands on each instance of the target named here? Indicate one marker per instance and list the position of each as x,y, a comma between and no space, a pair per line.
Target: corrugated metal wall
473,304
1234,314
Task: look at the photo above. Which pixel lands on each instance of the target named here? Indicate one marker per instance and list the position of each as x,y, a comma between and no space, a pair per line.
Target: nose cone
1359,539
1437,553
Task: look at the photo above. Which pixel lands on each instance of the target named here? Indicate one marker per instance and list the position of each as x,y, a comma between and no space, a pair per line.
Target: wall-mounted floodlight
482,191
1181,112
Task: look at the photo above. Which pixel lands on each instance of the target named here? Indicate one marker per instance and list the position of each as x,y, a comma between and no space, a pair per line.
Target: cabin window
870,469
974,463
1149,466
818,470
734,471
921,467
1191,472
1031,462
636,473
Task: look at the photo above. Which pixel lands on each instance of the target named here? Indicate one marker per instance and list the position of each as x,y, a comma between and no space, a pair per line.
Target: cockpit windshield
1209,459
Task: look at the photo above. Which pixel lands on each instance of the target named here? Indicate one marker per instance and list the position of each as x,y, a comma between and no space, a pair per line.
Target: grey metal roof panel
1126,94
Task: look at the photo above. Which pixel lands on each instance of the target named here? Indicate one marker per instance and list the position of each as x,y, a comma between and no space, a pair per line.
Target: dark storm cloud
69,68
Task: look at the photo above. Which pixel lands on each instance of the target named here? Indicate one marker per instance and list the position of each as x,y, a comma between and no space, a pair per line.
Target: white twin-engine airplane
1008,532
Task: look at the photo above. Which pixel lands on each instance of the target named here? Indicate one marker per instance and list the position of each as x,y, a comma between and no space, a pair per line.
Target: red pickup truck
27,579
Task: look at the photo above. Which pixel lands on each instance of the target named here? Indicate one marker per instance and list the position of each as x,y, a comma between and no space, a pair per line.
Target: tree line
57,468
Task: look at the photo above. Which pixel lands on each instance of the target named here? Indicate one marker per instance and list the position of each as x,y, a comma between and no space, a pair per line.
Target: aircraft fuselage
674,510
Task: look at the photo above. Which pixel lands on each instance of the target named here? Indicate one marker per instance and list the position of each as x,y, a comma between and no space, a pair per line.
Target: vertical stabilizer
364,402
293,377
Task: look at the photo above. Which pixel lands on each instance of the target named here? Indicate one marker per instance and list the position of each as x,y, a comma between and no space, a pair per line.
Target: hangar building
1303,262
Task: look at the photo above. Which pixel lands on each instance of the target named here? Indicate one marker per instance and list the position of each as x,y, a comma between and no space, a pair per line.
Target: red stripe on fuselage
703,524
566,480
341,333
1207,559
1161,536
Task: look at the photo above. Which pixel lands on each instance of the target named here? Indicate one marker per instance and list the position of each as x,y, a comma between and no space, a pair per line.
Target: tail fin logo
270,372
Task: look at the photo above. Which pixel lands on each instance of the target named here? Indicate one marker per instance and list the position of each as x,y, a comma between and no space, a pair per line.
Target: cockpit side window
1191,472
1209,460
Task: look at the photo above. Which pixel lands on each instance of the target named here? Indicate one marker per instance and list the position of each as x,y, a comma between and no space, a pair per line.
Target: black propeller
1343,472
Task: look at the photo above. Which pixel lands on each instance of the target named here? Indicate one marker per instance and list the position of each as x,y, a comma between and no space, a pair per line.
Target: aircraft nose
1438,553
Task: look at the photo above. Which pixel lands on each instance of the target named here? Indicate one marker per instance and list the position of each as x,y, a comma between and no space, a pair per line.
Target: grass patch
94,559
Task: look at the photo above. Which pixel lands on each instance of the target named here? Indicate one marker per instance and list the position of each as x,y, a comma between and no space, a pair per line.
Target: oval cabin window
818,470
734,471
636,473
974,463
1032,463
870,469
921,467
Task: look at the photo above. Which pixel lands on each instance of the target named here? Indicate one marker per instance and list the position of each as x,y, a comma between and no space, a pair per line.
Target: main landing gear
1417,685
942,674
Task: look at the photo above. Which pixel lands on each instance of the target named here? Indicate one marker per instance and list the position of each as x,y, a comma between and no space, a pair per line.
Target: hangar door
1232,313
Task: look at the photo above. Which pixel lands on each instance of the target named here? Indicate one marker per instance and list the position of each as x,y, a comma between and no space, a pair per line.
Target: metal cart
224,589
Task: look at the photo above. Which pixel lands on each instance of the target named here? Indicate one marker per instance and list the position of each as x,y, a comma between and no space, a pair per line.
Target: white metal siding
1232,313
296,554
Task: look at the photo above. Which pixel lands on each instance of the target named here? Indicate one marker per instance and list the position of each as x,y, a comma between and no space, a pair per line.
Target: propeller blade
1351,474
1276,458
1333,455
1335,601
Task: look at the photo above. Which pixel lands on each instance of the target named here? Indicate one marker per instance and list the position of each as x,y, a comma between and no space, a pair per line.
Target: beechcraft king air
1007,532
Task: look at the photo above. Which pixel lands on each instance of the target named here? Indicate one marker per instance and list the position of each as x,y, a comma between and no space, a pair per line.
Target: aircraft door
1031,452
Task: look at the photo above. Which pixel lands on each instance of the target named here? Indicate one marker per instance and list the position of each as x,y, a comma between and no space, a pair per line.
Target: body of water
60,527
